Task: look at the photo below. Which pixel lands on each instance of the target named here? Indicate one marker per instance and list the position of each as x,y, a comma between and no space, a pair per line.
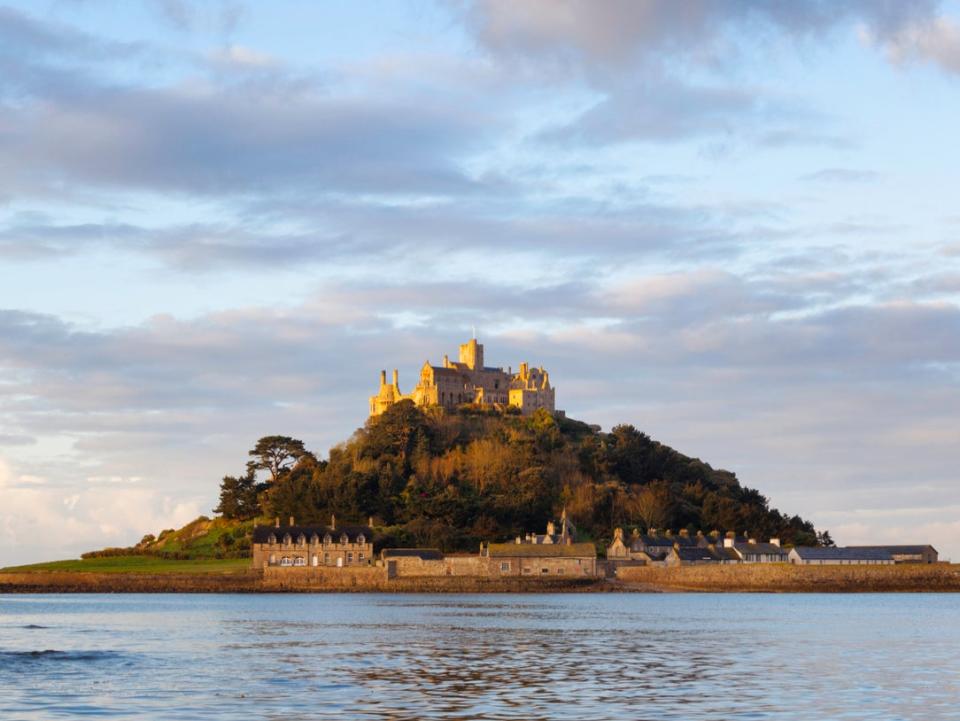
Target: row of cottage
553,553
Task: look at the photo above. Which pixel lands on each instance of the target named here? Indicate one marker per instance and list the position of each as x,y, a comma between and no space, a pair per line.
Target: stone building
468,380
906,554
753,551
540,559
298,546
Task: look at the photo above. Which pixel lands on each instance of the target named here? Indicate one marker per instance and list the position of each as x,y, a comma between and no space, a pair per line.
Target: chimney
446,361
728,541
292,522
751,540
383,378
652,532
370,521
775,542
684,533
396,378
276,522
333,521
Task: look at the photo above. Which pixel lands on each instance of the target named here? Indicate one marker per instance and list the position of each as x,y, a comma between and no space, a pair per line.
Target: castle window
285,561
316,560
326,559
349,556
273,559
344,539
328,539
272,540
299,561
504,566
301,540
360,556
361,539
287,540
314,540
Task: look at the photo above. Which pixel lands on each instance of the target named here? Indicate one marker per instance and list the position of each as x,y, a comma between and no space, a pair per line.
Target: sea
589,657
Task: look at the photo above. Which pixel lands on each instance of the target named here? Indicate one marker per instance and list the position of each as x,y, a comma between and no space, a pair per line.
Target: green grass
136,564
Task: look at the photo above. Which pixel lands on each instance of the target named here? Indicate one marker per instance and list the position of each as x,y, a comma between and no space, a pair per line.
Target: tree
239,497
823,539
652,504
276,455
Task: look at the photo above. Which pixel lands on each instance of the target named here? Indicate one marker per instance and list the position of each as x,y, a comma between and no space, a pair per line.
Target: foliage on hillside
202,538
452,479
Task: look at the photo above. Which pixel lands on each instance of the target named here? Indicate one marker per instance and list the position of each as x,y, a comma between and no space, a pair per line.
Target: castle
470,381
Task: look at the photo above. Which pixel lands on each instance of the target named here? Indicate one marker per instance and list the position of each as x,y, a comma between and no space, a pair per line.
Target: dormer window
301,540
272,540
328,539
361,539
314,539
344,539
287,540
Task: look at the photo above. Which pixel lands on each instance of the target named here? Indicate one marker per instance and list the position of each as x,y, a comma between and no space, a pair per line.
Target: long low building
817,556
906,554
529,559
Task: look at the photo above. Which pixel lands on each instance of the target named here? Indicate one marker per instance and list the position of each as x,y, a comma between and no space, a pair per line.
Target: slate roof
899,549
424,554
695,554
261,534
764,548
544,550
852,553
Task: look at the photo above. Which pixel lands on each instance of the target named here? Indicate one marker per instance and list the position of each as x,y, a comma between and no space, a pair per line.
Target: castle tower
471,354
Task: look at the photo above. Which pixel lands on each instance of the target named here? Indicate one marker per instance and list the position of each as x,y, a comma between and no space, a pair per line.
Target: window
544,570
349,556
299,561
316,560
361,539
287,540
343,539
273,559
272,540
326,559
526,570
560,571
328,539
504,566
360,556
285,561
314,539
301,540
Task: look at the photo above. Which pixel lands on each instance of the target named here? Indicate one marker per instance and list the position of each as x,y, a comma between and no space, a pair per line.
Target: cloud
935,40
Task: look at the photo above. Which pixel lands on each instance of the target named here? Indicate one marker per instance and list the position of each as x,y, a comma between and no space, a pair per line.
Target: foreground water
596,657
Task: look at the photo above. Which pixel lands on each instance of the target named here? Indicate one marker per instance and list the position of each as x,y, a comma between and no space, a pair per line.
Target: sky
731,224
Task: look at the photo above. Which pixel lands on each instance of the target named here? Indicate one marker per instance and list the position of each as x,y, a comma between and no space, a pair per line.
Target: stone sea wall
778,577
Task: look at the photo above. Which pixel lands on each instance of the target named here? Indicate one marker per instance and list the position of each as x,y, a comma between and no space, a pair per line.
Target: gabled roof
545,550
764,548
694,553
261,534
815,553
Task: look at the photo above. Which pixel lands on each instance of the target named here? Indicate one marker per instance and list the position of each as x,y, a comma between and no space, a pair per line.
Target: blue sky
732,224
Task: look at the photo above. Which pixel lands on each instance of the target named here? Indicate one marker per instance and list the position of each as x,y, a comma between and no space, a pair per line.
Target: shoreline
755,578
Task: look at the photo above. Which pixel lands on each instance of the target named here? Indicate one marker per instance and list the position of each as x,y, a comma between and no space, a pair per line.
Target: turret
383,378
396,379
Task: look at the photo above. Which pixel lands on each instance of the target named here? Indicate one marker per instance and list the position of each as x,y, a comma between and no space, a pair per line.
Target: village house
752,551
543,560
652,547
906,554
300,546
695,556
817,556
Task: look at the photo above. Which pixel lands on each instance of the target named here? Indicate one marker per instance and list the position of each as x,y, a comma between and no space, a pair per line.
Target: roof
898,549
261,534
765,548
424,554
543,550
816,553
685,553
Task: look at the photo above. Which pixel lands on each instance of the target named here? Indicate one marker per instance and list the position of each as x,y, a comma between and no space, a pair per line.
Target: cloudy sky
733,224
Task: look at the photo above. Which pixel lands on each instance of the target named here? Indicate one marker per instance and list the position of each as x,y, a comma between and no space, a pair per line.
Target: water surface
593,656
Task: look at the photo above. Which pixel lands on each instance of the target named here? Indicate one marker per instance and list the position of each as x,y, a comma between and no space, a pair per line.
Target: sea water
590,657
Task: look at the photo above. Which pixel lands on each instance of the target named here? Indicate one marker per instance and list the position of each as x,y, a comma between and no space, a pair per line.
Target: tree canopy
450,479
